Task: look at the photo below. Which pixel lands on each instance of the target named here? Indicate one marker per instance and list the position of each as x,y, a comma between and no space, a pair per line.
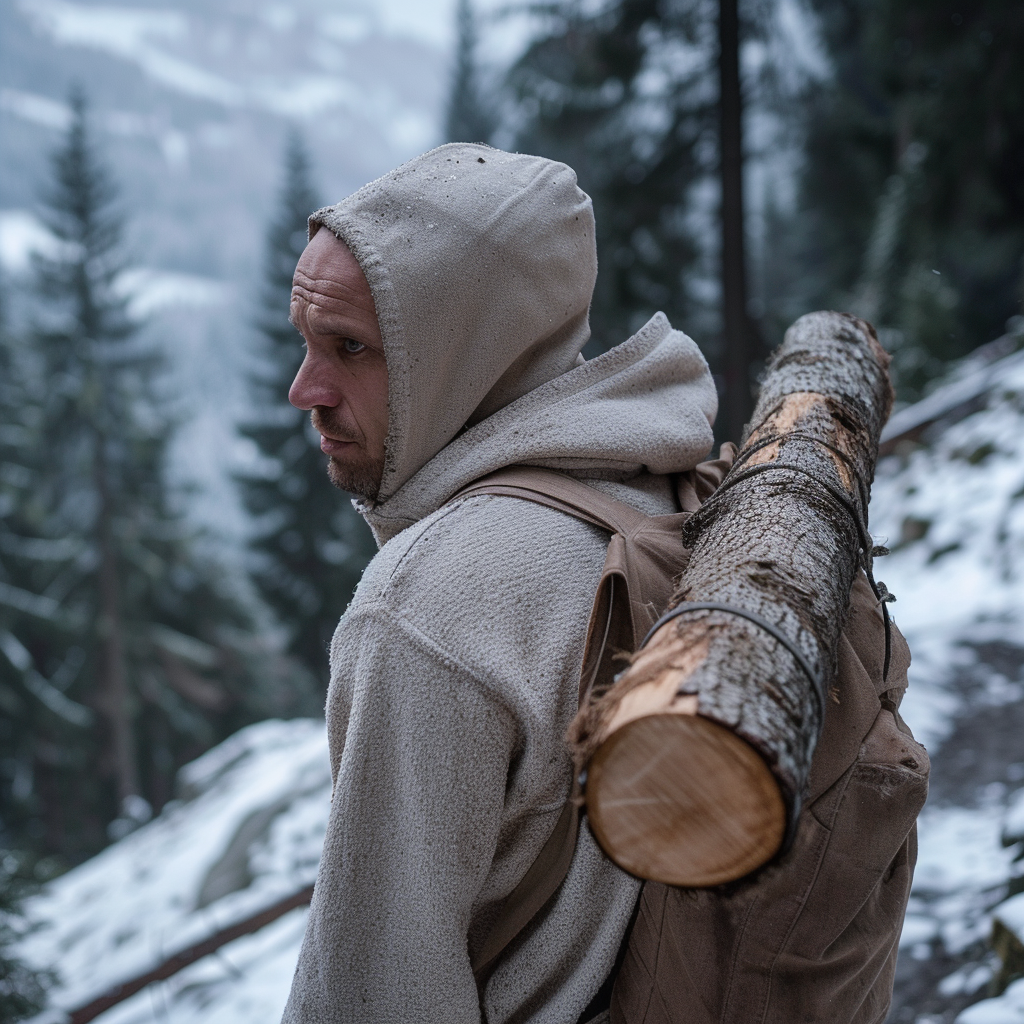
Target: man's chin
361,481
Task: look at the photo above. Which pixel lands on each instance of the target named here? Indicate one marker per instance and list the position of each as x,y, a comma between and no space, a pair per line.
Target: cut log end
679,799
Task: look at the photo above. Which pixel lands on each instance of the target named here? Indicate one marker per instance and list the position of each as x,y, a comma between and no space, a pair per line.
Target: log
697,757
170,966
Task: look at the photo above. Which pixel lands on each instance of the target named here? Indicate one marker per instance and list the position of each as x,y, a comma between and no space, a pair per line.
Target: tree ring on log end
682,800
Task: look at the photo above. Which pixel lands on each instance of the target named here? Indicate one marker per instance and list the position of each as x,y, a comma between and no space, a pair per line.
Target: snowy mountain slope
187,79
246,832
953,512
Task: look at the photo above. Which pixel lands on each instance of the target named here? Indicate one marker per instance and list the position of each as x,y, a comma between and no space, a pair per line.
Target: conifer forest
173,556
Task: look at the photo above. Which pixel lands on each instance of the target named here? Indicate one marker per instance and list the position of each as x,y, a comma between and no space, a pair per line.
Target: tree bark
114,699
705,742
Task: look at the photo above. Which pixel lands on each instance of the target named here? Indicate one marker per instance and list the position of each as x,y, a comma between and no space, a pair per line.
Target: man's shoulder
465,547
500,586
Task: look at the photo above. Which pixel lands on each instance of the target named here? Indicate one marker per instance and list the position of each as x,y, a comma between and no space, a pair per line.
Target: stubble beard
361,476
363,481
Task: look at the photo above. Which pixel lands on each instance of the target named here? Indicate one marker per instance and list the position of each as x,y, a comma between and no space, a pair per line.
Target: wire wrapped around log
698,755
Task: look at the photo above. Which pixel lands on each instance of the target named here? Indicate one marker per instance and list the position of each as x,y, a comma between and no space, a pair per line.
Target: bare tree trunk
736,327
706,741
114,697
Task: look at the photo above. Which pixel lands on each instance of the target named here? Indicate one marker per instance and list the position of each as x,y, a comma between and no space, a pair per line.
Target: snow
968,979
961,580
1015,815
951,510
961,847
1007,1009
49,113
123,30
154,39
800,36
347,27
246,833
308,95
38,109
148,38
134,35
210,990
975,381
917,929
1011,914
151,290
21,235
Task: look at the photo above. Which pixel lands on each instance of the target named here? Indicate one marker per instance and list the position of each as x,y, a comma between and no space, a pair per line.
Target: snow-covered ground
248,826
245,833
952,512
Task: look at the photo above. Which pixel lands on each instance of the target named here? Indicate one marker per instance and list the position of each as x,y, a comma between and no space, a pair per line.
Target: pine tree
22,989
125,654
470,117
627,96
309,544
37,719
913,190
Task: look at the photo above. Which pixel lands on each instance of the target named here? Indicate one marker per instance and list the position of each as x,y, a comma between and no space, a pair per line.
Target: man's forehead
327,257
327,270
318,289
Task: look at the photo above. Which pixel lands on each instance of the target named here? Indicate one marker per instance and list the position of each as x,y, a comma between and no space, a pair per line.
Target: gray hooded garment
454,671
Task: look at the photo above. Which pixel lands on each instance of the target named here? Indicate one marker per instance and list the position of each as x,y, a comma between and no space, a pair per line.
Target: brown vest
813,936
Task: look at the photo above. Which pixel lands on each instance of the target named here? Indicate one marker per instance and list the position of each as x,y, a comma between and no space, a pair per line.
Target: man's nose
313,385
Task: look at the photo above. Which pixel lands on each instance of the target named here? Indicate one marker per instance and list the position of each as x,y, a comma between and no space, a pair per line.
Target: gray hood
482,264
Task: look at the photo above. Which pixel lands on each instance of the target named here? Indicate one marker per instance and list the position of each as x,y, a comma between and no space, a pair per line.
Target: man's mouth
331,444
334,446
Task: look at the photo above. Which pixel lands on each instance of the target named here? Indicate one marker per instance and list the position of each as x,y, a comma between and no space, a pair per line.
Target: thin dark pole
738,400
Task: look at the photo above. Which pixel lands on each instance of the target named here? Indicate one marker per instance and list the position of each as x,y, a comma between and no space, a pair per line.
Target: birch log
698,755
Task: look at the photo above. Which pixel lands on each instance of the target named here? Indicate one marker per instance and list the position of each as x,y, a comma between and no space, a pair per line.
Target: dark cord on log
672,792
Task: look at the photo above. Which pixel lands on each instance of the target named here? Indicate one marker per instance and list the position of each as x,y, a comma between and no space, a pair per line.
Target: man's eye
353,346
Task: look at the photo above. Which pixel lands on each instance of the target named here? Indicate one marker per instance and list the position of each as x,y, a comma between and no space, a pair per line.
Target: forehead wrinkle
356,294
329,321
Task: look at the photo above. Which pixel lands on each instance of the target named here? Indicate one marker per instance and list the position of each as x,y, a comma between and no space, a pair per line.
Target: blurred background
173,560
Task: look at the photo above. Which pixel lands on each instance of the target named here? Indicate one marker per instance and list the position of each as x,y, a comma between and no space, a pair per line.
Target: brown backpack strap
545,875
535,888
565,494
558,491
626,578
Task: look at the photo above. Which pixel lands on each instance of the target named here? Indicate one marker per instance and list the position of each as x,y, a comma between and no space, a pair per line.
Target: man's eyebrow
328,321
325,320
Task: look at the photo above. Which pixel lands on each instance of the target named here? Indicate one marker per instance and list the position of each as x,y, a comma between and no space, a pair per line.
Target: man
444,308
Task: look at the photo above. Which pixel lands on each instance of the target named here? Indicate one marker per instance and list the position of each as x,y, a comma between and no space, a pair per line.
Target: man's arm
422,752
